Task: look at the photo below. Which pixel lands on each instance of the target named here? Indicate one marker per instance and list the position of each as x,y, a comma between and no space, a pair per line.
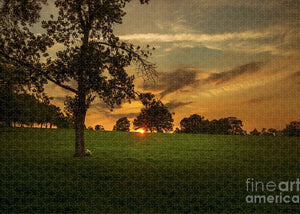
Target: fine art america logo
283,192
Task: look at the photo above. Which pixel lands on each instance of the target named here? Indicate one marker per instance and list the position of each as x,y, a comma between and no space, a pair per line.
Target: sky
215,58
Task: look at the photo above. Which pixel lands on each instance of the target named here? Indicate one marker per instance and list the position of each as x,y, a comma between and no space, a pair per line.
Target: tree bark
81,106
79,137
80,114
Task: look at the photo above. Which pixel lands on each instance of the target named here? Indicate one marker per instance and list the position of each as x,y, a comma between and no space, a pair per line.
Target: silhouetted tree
63,121
177,130
272,132
236,126
155,116
123,124
146,99
9,111
12,82
197,124
93,57
255,132
269,132
292,129
192,124
99,128
28,110
221,126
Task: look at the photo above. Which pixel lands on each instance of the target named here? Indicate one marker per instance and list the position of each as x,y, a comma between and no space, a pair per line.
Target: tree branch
147,66
29,66
83,24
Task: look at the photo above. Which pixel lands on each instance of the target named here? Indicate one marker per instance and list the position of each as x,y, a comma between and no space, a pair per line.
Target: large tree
99,128
123,124
197,124
192,124
236,126
292,129
155,116
92,61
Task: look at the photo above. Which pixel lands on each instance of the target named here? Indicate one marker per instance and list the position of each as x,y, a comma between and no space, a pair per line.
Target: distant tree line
18,107
292,129
196,124
25,109
155,117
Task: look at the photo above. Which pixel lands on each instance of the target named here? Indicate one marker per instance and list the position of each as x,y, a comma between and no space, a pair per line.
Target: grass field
133,173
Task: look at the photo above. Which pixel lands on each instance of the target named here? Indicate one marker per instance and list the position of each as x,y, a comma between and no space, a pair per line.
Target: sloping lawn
134,173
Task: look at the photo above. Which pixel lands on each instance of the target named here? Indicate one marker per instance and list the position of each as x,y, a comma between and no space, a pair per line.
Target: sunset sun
141,131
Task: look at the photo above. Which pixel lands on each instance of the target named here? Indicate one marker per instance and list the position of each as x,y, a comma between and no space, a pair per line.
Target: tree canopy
292,129
25,109
155,116
123,124
197,124
99,128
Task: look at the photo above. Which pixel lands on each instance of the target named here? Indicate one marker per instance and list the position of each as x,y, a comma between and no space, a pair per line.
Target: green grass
131,173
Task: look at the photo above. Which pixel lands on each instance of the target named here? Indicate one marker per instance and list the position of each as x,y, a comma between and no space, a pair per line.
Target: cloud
102,109
258,100
128,115
220,78
175,104
155,37
172,81
278,39
295,75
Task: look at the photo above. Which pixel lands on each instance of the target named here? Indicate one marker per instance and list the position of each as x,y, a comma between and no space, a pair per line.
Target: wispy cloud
276,39
155,37
172,81
222,77
258,100
172,105
128,115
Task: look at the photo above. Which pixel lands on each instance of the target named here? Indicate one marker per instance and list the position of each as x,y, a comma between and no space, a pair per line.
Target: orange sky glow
215,58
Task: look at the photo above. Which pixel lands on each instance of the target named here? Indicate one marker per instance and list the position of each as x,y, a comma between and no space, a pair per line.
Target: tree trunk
79,125
81,105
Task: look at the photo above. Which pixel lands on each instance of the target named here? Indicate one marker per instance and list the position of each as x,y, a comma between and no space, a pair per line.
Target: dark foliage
292,129
123,124
255,132
154,117
196,124
25,109
99,128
